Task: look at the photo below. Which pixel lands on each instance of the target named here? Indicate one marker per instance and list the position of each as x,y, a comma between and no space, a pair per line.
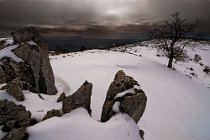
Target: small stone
52,113
141,133
61,97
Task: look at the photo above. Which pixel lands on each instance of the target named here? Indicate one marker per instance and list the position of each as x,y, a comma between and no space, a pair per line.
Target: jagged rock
121,83
125,95
61,97
35,70
81,98
52,113
9,111
14,88
16,134
26,34
134,105
141,133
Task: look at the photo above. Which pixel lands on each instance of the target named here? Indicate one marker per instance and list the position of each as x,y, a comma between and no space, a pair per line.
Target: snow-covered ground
177,107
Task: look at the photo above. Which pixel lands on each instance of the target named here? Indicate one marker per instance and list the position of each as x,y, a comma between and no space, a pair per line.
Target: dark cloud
114,18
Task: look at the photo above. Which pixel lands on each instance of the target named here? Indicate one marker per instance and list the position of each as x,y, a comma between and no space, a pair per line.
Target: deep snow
177,107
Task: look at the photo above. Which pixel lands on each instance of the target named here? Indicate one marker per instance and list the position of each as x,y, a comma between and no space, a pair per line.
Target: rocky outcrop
81,98
61,97
13,116
16,134
52,113
34,69
14,88
124,95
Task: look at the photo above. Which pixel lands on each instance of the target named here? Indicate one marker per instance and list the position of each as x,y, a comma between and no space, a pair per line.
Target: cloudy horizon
98,18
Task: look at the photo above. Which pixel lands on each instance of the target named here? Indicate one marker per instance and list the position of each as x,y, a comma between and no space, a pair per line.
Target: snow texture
78,125
7,52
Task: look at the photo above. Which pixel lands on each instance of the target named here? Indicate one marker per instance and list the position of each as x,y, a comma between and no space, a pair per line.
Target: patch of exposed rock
81,98
35,70
13,116
124,95
14,88
52,113
61,97
16,134
207,70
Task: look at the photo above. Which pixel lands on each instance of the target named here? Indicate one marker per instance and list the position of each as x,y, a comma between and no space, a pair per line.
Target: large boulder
124,95
12,115
33,65
81,98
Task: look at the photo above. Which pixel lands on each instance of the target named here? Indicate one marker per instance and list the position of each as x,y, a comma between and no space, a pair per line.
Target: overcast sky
98,18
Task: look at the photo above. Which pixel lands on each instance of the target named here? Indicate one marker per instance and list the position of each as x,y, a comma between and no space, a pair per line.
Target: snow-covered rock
122,90
27,60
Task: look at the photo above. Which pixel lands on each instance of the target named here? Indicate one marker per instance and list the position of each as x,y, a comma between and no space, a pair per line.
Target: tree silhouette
169,33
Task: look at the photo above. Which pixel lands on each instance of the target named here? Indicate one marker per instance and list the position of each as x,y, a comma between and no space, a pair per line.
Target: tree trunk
171,56
170,62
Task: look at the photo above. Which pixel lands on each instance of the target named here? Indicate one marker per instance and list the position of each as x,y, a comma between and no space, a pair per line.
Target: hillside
177,106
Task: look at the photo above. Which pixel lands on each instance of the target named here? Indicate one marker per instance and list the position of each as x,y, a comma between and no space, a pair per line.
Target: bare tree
168,34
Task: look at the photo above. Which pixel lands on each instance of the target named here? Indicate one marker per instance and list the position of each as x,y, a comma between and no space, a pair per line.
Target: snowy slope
177,107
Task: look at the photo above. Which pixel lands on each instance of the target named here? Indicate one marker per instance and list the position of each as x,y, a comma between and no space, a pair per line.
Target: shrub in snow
207,70
197,58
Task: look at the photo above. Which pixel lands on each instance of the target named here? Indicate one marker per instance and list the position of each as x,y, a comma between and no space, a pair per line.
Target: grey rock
9,111
121,83
52,113
133,104
35,70
81,98
25,34
2,75
141,133
14,88
16,134
61,97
